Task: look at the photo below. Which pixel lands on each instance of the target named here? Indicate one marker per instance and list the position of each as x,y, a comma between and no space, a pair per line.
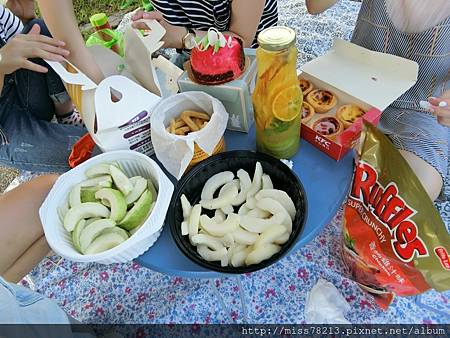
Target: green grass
85,8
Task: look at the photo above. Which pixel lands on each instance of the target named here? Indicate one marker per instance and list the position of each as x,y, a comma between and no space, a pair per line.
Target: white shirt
415,16
10,24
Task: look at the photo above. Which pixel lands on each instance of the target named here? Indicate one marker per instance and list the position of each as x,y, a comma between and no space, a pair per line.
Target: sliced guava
106,203
152,189
104,181
133,231
118,231
121,180
106,241
98,170
93,230
139,186
83,211
115,200
75,196
138,213
62,210
88,194
76,234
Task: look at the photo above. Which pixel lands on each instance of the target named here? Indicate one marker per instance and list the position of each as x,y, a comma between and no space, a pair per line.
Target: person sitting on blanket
32,94
418,122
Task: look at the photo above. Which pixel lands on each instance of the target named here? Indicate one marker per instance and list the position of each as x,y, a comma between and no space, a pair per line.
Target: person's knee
40,23
429,177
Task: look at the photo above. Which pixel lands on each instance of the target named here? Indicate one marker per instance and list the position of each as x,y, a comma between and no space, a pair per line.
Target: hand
174,34
441,108
24,9
15,54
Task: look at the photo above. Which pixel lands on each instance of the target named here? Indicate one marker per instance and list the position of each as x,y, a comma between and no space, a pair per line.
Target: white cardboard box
357,75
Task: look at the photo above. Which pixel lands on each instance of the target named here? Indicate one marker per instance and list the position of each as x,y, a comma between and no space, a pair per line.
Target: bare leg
22,243
25,263
430,177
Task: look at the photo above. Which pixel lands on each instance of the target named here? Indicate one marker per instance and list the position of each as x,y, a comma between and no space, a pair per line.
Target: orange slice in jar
287,104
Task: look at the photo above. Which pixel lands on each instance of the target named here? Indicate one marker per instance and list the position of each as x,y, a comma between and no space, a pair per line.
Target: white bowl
133,164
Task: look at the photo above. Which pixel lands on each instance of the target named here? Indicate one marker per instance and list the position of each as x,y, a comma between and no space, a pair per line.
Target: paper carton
234,95
356,75
117,111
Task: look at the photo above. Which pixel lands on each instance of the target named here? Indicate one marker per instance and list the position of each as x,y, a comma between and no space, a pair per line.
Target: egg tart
305,85
348,114
328,126
321,100
307,112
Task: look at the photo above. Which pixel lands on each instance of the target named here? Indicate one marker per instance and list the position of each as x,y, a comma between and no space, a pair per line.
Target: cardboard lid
375,78
138,51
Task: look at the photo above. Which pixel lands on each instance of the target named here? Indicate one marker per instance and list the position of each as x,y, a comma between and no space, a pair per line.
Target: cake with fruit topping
217,58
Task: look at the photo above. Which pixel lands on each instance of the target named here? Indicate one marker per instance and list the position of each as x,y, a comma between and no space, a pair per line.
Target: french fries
189,121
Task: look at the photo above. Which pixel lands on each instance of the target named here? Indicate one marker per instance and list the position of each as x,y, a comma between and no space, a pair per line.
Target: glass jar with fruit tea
277,99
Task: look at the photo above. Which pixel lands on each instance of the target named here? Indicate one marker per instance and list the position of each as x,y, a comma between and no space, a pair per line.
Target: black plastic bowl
192,184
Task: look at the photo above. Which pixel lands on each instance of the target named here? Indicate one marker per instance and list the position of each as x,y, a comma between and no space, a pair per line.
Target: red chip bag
81,151
395,242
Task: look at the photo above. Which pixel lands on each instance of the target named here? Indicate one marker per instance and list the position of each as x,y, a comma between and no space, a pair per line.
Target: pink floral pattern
129,293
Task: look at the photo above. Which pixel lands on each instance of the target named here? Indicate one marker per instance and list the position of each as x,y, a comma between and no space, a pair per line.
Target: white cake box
133,164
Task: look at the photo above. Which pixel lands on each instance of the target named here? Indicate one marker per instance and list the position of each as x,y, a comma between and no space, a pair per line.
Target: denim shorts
19,305
29,140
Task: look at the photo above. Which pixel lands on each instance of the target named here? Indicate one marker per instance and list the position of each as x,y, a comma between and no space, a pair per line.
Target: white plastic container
133,164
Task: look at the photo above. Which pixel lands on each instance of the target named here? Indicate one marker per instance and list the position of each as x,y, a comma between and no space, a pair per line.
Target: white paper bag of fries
184,122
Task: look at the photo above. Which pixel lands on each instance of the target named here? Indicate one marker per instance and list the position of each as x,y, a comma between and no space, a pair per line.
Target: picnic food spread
395,242
251,219
277,99
217,59
107,208
390,244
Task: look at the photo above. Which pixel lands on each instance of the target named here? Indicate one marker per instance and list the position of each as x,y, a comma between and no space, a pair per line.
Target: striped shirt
10,24
204,14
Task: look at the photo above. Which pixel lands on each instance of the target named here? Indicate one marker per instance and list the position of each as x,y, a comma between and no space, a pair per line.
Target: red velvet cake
217,59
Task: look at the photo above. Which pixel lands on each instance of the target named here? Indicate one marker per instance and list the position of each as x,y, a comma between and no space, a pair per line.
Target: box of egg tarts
346,85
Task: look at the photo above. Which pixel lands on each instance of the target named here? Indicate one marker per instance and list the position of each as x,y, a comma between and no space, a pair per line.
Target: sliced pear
139,186
83,211
138,213
121,180
75,196
77,233
93,230
116,200
107,240
104,181
99,170
88,194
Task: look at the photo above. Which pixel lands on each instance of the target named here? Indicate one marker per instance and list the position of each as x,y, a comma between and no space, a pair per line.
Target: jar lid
99,19
276,38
